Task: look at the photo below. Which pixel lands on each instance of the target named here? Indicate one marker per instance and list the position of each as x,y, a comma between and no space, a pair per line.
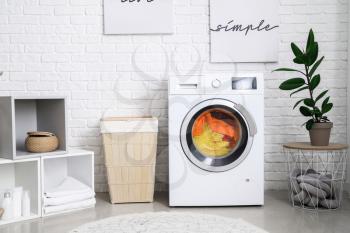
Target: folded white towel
69,186
53,201
75,205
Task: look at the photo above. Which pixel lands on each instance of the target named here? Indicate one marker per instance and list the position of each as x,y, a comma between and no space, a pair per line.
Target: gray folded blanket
315,182
310,188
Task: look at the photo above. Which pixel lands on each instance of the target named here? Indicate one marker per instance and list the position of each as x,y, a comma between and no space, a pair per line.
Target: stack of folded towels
70,194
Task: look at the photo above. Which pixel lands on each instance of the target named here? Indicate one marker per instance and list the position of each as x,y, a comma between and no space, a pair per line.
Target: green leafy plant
309,81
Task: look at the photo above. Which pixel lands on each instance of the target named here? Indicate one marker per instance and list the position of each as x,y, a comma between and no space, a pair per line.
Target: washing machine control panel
230,84
217,84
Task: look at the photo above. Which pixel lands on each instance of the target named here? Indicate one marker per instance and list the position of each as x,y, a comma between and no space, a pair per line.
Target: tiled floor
275,217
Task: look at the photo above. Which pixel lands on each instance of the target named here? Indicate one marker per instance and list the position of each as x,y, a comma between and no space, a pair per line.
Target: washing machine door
217,134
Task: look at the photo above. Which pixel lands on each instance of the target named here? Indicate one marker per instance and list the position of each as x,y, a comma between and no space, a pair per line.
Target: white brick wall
56,47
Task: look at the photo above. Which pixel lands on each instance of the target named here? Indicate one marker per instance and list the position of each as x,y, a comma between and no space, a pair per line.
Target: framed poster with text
244,30
138,16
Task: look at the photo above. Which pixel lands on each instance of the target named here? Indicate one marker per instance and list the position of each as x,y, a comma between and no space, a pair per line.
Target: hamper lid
129,124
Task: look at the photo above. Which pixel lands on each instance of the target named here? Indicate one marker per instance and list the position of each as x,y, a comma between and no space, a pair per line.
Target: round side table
316,174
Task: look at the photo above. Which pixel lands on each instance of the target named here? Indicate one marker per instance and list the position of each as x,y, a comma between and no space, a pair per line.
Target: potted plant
314,106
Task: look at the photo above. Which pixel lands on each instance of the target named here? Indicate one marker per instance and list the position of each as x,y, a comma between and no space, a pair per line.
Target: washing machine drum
217,135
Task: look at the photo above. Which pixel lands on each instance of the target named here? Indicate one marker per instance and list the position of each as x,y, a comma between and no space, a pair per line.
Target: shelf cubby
78,164
22,173
19,115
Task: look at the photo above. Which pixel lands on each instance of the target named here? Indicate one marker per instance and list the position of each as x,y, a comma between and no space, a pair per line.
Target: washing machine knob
216,83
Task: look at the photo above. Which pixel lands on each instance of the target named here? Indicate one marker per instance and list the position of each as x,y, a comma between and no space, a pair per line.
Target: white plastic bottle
17,202
7,206
26,204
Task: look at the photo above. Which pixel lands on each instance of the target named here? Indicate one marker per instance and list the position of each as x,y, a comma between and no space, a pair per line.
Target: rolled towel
296,172
311,171
334,192
306,200
313,202
300,197
293,180
315,182
329,203
314,191
294,185
324,178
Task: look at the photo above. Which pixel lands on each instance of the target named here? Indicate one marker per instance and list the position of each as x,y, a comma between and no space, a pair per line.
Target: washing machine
216,140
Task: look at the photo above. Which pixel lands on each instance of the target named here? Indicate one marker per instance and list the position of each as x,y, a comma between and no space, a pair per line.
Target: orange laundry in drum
216,125
215,137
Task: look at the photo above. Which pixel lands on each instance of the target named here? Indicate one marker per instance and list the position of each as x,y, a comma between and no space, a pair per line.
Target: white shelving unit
38,171
38,174
19,115
78,164
27,174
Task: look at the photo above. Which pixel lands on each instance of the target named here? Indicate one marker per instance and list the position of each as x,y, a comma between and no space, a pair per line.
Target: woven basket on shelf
41,142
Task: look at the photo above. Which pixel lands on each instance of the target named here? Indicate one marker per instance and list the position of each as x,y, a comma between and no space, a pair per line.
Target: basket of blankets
314,190
316,175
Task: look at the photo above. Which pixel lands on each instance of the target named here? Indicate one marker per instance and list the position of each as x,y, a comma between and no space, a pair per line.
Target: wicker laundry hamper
130,146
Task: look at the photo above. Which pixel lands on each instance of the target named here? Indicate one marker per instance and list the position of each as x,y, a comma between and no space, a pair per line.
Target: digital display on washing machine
244,83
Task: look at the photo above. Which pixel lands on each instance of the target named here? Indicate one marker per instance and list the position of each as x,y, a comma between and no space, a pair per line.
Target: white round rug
168,222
